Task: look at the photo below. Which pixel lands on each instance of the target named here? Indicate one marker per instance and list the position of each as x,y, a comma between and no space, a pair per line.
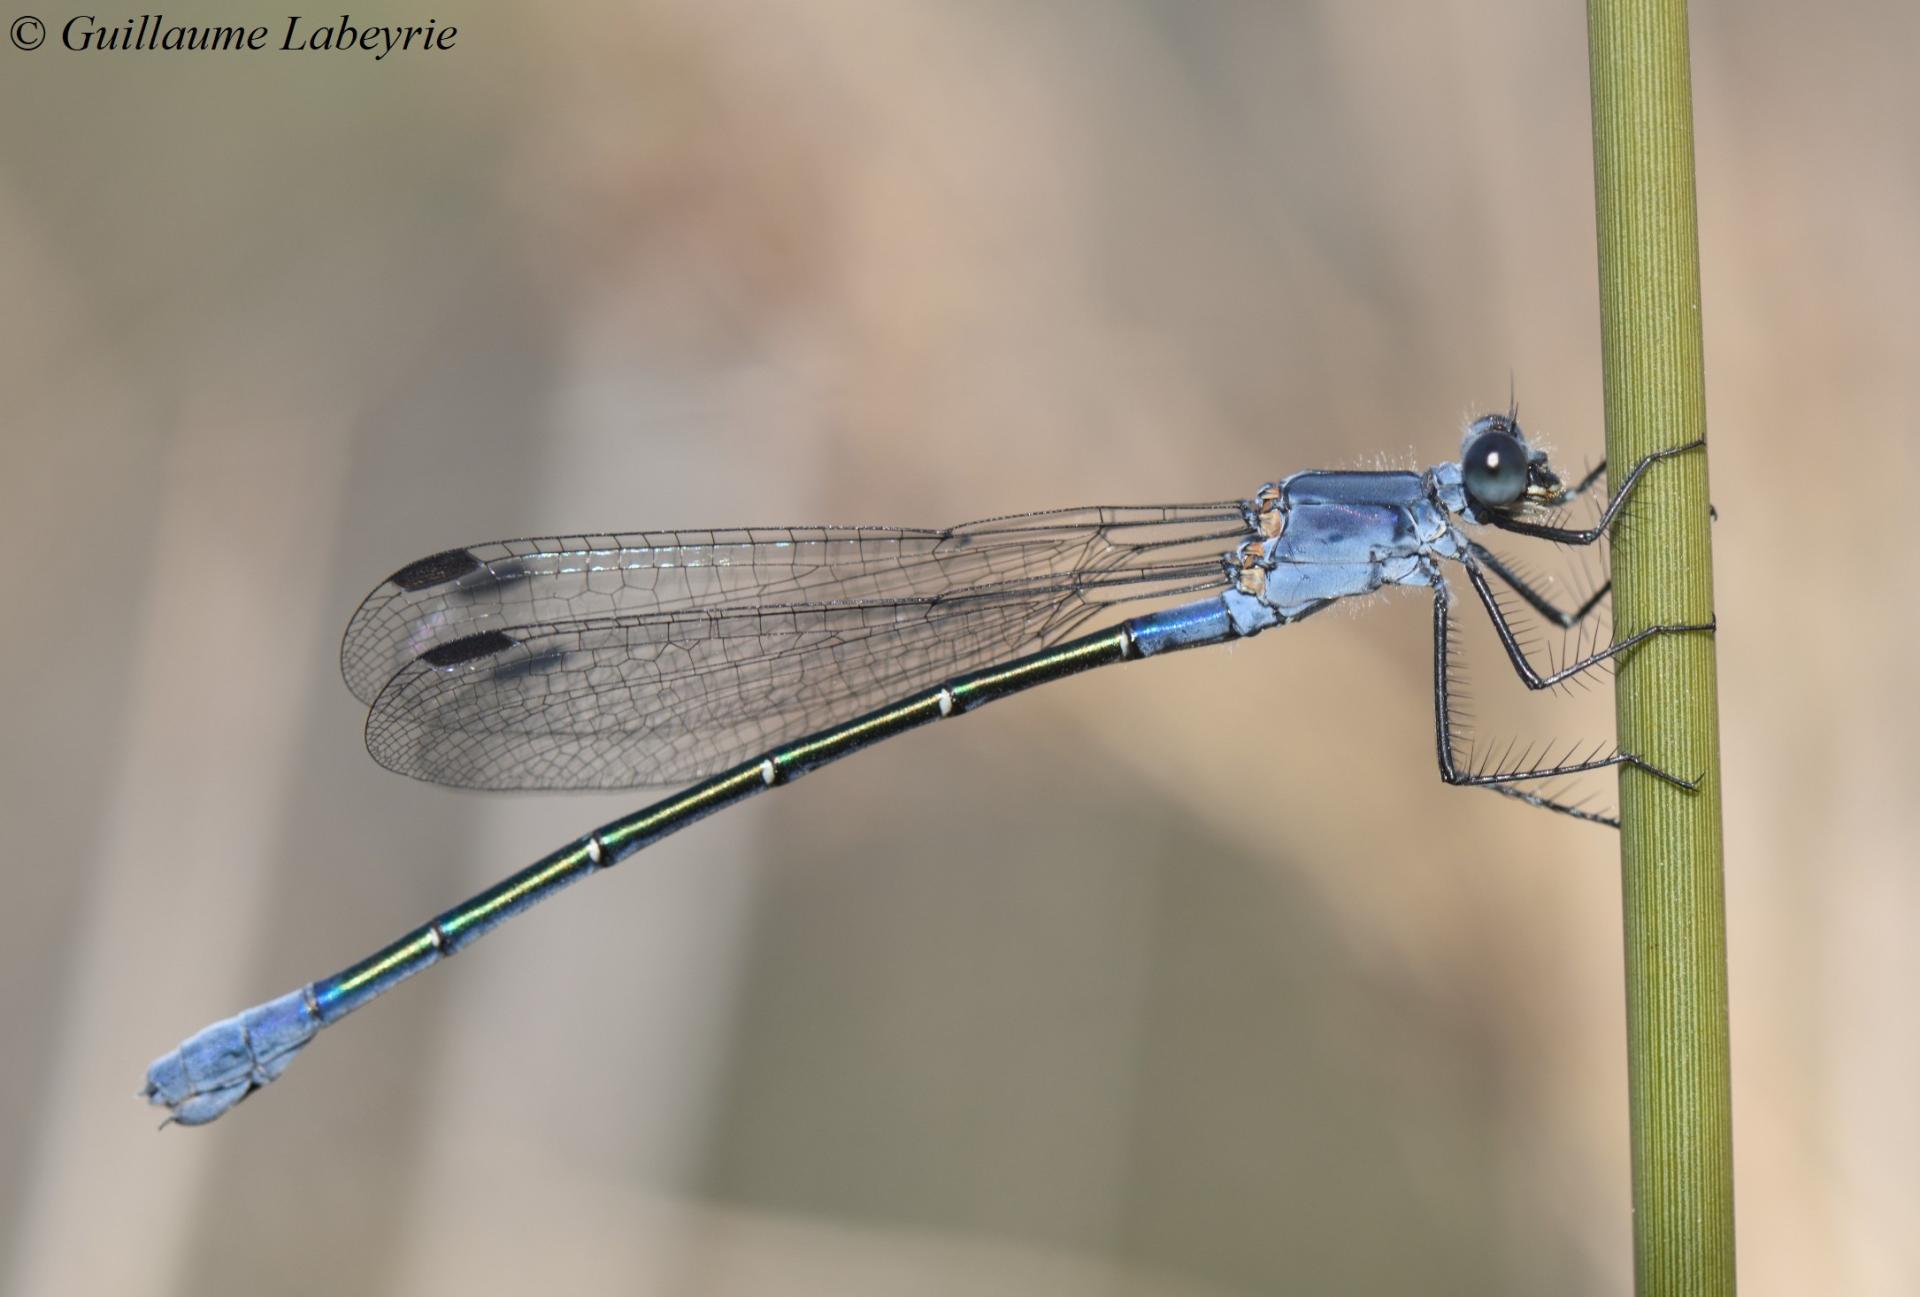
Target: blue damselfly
741,659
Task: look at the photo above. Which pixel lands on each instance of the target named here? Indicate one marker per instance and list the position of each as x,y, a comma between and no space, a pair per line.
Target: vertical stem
1670,841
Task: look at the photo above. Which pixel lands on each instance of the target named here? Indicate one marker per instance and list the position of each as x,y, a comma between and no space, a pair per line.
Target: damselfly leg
1588,535
1525,669
1536,598
1479,560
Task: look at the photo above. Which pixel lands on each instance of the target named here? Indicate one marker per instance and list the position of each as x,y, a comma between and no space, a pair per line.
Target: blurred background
1189,978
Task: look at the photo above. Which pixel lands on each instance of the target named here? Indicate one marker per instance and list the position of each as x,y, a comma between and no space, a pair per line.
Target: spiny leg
1518,656
1497,780
1599,470
1536,599
1588,535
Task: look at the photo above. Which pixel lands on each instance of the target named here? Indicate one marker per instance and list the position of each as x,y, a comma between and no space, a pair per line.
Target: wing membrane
621,661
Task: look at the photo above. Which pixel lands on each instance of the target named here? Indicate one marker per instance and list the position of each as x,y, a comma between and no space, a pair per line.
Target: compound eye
1494,469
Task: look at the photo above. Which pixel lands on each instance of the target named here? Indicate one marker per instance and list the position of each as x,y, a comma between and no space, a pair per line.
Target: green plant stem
1670,841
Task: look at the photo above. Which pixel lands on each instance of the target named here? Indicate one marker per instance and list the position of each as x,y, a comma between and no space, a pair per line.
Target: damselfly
742,659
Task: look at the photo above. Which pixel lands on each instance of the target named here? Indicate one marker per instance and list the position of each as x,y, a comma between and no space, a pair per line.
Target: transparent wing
625,660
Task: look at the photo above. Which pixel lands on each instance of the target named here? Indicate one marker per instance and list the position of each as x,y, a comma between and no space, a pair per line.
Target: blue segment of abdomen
1204,621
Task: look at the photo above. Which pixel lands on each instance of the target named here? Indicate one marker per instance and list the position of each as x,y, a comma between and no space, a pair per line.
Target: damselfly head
1501,471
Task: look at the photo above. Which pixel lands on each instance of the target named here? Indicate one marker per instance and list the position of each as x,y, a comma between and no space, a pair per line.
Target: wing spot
434,569
468,648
